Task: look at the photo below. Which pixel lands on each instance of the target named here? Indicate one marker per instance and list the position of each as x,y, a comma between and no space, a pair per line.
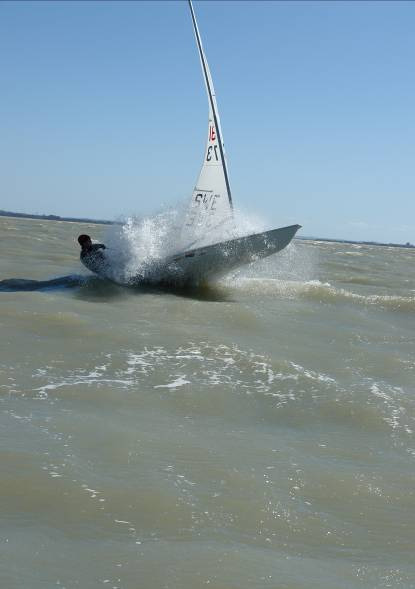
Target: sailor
92,254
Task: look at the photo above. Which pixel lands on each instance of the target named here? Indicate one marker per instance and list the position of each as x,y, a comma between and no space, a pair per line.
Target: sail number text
208,201
209,155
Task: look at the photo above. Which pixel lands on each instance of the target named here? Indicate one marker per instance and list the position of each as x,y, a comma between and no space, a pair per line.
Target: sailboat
203,254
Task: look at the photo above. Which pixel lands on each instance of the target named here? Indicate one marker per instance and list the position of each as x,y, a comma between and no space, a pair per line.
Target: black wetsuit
93,257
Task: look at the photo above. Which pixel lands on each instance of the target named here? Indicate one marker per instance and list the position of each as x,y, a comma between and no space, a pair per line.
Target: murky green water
259,434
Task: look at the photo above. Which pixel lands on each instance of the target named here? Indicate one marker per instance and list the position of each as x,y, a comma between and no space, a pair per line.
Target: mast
212,101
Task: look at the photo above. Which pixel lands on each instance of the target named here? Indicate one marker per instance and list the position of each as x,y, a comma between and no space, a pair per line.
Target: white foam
136,248
179,382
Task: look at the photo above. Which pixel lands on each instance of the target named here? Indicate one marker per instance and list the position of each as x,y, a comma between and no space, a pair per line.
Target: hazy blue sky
103,110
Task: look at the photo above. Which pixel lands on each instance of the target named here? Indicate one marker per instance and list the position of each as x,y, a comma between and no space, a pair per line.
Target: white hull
214,261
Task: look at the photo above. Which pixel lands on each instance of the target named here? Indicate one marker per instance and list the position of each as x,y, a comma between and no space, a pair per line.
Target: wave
24,284
285,391
94,287
322,292
312,290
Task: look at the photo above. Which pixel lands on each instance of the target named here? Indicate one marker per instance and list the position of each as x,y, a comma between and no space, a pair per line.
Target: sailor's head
84,241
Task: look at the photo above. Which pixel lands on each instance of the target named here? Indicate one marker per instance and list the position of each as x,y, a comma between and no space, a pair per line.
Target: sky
103,110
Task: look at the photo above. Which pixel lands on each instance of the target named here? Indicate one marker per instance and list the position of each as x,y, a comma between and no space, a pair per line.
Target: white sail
211,202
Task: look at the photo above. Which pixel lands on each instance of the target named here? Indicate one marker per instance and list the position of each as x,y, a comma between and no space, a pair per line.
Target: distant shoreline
103,222
333,240
56,218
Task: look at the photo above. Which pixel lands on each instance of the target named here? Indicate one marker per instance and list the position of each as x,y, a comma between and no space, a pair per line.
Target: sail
211,202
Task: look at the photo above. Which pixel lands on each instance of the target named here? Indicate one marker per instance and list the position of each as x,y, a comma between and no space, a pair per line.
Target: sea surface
255,434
